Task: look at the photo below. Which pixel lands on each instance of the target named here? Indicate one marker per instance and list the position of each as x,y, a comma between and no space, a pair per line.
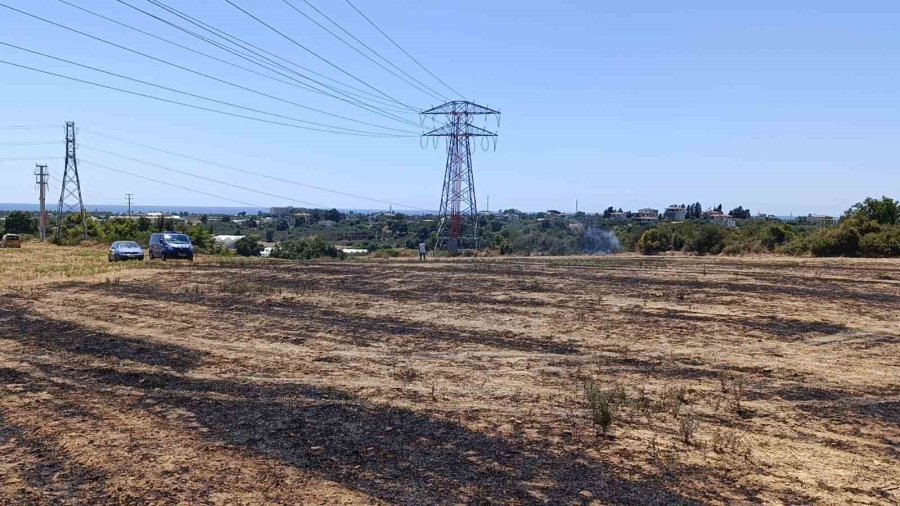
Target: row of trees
869,229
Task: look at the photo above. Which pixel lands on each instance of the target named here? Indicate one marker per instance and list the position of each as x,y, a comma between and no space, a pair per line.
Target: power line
230,104
145,55
185,188
26,158
254,173
27,127
301,46
299,84
427,89
401,48
254,50
204,178
292,82
192,106
28,143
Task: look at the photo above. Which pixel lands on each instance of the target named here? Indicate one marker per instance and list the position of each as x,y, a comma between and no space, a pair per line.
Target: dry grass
476,381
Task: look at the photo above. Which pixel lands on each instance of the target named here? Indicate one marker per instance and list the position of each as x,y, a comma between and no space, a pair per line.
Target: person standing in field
422,251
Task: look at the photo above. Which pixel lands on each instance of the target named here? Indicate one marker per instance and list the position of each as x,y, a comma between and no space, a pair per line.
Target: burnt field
485,381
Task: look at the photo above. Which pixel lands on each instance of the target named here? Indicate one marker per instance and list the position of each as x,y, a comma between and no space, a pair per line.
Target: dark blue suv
171,245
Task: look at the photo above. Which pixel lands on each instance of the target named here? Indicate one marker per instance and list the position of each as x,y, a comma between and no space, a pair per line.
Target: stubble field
759,380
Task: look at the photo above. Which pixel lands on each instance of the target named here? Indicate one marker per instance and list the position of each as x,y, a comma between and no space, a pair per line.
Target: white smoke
598,241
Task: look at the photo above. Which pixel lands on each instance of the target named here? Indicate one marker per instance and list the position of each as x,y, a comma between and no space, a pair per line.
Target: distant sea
121,209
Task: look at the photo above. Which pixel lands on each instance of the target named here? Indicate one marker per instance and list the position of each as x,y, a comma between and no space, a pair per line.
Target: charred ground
760,379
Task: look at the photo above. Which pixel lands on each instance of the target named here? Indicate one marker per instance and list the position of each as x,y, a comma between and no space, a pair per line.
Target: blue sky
780,108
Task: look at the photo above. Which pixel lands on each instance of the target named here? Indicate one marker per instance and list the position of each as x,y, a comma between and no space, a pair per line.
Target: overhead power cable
254,173
267,64
310,51
290,81
204,178
191,106
26,158
145,55
194,95
82,160
28,127
401,48
424,88
29,143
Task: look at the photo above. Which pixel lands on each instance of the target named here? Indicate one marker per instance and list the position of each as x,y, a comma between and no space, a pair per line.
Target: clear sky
782,107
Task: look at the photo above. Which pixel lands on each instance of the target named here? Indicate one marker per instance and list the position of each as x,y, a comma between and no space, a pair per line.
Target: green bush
836,242
652,242
248,246
709,240
20,222
883,244
306,249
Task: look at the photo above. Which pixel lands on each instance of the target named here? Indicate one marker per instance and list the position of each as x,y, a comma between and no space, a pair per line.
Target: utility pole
71,185
40,173
458,194
129,197
488,207
576,206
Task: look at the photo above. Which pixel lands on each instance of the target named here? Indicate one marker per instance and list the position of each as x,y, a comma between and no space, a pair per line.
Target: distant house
675,213
716,216
227,241
647,216
281,211
821,220
618,216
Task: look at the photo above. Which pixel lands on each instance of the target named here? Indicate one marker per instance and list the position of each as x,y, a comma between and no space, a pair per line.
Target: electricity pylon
458,194
71,185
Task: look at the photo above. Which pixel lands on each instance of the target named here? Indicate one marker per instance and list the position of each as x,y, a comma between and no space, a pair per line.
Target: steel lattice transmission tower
71,185
458,194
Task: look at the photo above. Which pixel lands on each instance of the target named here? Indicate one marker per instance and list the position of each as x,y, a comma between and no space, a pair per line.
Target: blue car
171,245
125,250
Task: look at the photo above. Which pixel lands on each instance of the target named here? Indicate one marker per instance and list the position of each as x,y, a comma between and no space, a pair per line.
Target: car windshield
176,239
127,244
12,237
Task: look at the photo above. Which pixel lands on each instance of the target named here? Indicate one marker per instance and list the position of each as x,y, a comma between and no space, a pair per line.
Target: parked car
171,245
125,250
11,241
266,252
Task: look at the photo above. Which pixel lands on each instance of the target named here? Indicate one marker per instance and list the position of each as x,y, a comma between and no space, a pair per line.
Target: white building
675,213
227,240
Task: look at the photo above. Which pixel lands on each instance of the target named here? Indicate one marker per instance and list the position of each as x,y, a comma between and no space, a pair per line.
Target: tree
709,240
20,222
226,219
252,223
885,211
282,225
306,250
739,213
144,224
248,246
204,219
270,235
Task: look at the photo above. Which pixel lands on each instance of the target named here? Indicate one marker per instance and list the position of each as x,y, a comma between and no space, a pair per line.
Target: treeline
869,229
110,230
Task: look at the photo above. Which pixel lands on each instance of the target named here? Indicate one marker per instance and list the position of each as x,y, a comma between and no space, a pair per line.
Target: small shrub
687,427
248,246
306,250
603,405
